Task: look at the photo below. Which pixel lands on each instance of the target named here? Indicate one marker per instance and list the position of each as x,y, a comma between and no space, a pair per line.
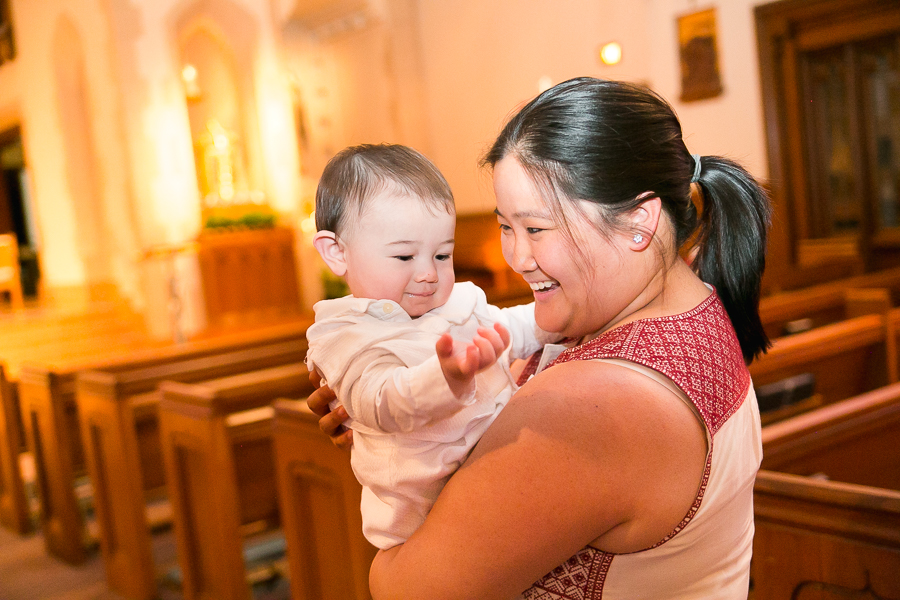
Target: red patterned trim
530,367
695,506
579,578
698,350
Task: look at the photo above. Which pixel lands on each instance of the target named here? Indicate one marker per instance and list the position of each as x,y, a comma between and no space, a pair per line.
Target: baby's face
401,249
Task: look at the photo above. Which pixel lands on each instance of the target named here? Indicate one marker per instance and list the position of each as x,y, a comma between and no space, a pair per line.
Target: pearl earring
638,238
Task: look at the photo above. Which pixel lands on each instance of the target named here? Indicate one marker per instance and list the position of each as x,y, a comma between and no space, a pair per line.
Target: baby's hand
460,367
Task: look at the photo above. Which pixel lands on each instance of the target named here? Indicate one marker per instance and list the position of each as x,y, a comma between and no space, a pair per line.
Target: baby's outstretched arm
459,368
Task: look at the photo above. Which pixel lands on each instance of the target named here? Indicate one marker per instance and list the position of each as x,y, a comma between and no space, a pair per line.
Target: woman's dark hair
609,142
356,173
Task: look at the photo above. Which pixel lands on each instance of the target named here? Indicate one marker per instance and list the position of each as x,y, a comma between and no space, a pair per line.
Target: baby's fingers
498,339
504,335
487,349
444,346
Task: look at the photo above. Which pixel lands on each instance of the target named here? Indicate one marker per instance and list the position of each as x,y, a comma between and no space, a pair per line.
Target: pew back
328,556
822,304
853,441
217,446
119,423
827,502
14,512
847,358
47,394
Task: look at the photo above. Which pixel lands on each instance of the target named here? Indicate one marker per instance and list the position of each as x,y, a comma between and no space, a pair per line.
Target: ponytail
732,246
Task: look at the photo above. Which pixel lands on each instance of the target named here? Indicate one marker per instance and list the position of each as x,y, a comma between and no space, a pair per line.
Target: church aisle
27,572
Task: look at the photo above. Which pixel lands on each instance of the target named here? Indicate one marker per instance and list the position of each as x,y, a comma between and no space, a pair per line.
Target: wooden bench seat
847,358
14,512
50,414
827,502
119,421
221,472
824,303
328,556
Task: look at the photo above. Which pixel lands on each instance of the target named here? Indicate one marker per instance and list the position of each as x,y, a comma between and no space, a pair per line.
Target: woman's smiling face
574,291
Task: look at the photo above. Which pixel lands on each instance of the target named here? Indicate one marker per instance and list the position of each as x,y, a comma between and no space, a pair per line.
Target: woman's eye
443,257
533,230
505,228
404,257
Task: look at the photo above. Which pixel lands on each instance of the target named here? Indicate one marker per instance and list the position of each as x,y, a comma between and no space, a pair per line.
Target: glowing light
191,85
189,73
611,53
544,84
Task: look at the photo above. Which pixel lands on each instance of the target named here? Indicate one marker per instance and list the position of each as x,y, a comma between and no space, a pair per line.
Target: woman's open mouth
543,286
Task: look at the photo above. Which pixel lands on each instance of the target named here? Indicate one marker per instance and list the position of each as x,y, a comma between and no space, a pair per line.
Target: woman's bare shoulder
597,390
586,440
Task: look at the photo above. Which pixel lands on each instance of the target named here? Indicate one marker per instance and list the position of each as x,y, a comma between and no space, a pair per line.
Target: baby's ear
331,251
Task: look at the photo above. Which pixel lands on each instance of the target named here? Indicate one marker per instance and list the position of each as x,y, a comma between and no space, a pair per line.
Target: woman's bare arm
585,452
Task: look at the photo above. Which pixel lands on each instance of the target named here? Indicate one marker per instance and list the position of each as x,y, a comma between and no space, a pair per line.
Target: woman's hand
331,421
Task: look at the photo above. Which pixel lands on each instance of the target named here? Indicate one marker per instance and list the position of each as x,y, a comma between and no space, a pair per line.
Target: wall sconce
611,53
191,87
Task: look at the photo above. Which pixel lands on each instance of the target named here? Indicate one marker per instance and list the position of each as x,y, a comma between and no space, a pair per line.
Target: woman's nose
521,260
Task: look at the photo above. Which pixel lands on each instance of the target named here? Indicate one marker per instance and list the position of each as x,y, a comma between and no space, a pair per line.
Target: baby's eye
443,256
404,257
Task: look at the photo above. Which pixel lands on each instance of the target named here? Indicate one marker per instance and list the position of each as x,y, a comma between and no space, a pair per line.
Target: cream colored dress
696,355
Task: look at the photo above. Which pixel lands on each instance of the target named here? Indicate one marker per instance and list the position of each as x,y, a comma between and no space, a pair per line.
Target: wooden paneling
119,421
217,444
248,276
328,556
827,502
50,412
14,512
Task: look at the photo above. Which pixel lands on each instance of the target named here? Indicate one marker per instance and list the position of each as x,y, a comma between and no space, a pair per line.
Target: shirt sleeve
391,397
526,337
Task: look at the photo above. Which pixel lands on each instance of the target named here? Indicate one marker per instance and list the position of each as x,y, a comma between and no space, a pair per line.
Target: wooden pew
14,512
47,397
827,502
328,556
217,449
119,423
822,304
847,358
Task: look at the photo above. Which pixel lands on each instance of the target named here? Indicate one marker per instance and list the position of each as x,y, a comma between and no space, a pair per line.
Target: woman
626,468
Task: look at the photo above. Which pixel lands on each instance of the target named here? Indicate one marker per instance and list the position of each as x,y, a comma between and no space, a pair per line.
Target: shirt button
388,308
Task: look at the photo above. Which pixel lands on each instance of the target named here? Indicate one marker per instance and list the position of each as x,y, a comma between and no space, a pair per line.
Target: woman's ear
645,219
331,251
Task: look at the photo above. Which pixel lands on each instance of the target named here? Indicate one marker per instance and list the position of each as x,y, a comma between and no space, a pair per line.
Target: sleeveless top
696,355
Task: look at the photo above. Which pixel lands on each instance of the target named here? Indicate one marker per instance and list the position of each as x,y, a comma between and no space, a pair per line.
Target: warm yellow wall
45,31
444,75
96,90
440,75
482,59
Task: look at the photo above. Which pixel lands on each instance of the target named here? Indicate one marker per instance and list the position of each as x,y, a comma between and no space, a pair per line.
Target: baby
419,362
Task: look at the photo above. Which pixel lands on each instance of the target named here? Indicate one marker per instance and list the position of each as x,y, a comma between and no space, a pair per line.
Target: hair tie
696,177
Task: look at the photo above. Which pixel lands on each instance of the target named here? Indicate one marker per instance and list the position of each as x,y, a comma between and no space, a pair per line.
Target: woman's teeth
541,285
